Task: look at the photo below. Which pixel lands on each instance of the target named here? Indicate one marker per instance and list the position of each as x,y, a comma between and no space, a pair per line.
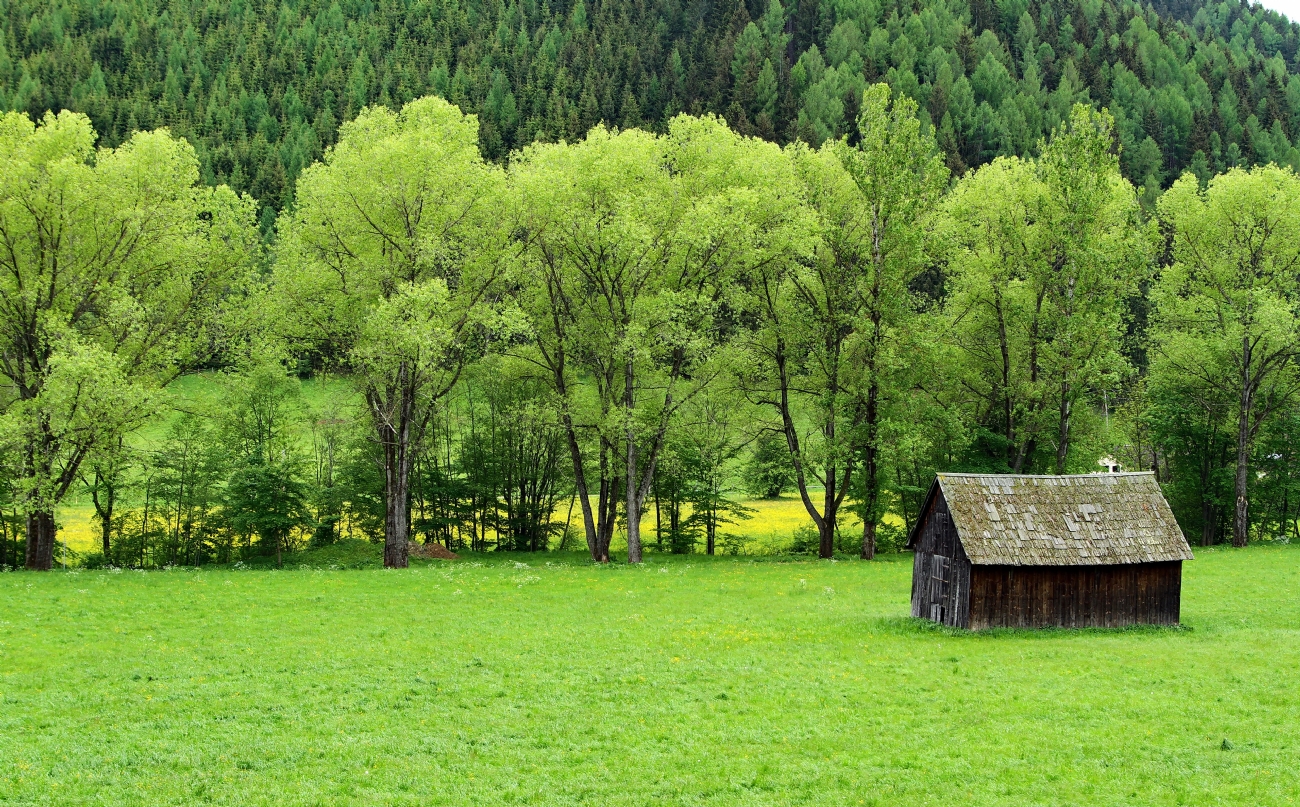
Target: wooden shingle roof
1076,520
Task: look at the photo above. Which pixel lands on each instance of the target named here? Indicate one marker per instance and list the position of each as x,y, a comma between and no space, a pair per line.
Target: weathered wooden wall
1075,596
941,572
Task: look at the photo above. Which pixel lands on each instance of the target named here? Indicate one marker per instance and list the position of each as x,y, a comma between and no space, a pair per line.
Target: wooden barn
1091,550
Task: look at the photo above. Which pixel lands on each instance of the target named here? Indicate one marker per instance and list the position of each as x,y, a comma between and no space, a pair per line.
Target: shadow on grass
914,626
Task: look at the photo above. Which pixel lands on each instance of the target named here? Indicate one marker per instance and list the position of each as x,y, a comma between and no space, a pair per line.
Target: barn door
940,580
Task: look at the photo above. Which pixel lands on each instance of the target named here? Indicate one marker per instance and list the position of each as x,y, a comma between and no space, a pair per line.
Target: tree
633,246
1227,305
767,473
899,176
389,262
266,500
706,448
800,356
113,269
1044,257
829,323
108,465
1096,252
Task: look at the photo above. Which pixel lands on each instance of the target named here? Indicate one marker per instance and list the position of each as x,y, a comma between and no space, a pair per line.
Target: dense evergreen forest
260,88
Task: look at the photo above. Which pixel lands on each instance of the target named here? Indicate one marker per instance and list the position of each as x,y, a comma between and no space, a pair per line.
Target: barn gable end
1028,551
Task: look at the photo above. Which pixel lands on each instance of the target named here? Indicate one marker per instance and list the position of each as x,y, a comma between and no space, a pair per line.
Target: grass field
543,680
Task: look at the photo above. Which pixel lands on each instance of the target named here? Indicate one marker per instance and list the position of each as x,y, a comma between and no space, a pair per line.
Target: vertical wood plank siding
941,572
1075,596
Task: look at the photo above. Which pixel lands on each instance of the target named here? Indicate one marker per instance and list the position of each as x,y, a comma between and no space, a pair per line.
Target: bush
94,560
806,541
890,538
769,473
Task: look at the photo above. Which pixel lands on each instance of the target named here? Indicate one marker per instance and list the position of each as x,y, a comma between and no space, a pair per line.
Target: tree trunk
1240,518
1063,436
40,541
396,515
608,506
144,522
633,505
826,539
1007,409
869,539
825,524
659,529
395,433
871,460
104,509
1209,520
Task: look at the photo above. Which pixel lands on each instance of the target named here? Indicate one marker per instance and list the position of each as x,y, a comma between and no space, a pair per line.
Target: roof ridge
1096,474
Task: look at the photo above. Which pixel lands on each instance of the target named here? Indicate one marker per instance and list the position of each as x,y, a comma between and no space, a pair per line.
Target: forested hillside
260,87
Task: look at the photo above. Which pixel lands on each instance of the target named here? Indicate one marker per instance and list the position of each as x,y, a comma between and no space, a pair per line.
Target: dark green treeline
260,87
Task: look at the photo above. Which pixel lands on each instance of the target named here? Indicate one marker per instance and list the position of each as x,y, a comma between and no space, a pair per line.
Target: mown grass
543,680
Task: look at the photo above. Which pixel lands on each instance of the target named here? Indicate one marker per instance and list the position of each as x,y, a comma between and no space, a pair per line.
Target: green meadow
693,681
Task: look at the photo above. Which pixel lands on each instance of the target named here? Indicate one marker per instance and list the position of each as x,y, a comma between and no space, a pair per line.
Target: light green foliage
1044,255
114,271
899,177
634,244
1227,308
729,682
827,323
388,261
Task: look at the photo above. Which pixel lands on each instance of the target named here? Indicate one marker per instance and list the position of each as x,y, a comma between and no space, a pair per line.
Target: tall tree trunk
1007,408
144,522
835,490
607,506
40,541
1240,518
580,486
395,428
633,505
659,529
796,453
1063,436
104,510
871,453
396,532
1209,520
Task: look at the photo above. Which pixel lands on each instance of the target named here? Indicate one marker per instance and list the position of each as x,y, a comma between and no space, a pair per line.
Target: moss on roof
1074,520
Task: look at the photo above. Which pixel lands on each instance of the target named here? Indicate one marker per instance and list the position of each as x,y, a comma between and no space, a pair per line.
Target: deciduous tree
113,269
1227,306
389,262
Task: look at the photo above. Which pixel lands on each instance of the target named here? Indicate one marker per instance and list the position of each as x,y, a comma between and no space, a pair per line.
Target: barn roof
1076,520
